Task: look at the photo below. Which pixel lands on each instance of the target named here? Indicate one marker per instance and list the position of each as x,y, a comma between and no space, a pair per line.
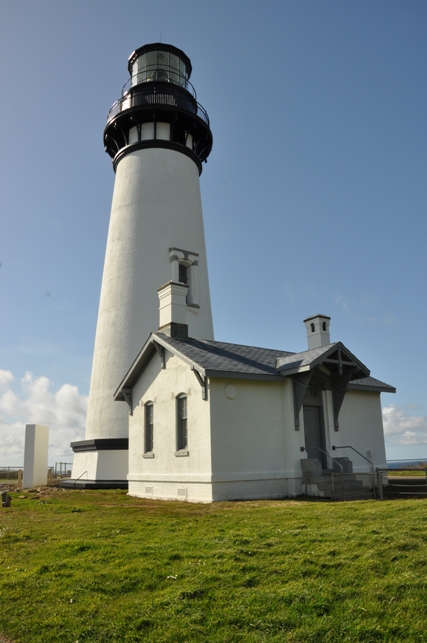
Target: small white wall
164,474
360,426
255,448
85,464
101,465
35,455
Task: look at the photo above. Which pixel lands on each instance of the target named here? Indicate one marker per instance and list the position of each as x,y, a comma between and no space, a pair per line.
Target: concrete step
362,493
347,488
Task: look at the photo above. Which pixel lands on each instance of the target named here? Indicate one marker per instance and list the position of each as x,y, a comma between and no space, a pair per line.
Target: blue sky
314,195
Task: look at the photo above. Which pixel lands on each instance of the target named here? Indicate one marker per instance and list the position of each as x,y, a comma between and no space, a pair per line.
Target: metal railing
13,475
82,474
373,480
164,74
334,448
405,485
380,483
62,469
146,95
10,473
327,455
333,473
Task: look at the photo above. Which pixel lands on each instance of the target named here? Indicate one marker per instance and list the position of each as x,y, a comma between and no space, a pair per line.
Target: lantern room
157,62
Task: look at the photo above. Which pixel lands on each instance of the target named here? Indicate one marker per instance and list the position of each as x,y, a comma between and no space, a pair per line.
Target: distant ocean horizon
405,464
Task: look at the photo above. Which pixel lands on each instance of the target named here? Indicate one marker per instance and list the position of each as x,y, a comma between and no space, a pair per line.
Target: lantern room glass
159,65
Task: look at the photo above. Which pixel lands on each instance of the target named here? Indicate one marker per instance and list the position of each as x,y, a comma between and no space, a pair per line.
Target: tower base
99,464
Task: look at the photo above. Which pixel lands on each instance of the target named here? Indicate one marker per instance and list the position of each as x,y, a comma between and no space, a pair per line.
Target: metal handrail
327,455
380,483
128,100
356,451
336,462
74,483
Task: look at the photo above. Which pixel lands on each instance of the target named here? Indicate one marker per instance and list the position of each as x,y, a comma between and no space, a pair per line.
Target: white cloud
400,428
35,403
6,378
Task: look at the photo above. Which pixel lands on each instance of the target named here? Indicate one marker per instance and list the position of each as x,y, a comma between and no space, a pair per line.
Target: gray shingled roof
373,384
225,357
249,360
237,360
305,358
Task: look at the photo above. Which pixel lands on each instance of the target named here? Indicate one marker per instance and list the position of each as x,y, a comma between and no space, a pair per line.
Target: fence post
380,484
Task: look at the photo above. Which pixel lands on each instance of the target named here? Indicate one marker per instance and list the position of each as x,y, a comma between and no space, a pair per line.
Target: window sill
149,454
182,453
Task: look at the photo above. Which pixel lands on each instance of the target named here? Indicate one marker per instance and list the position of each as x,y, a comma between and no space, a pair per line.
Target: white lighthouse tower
158,136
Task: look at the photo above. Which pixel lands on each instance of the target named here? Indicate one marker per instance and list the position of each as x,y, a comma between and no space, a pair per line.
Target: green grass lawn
99,566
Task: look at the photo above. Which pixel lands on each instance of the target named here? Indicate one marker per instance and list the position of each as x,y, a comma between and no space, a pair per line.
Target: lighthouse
158,136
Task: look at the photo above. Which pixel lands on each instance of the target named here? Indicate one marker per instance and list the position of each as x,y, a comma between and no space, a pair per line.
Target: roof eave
243,376
372,388
138,365
179,354
135,368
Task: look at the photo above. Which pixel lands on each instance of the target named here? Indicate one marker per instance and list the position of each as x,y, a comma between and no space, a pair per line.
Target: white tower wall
156,206
158,136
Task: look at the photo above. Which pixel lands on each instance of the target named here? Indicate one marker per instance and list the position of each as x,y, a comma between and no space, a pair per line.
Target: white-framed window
184,269
181,423
148,427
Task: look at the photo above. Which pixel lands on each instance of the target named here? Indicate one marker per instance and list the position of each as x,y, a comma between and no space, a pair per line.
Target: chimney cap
316,317
172,283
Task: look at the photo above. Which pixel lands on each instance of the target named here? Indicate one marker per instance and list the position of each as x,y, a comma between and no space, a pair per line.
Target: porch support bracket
161,353
127,394
300,386
203,381
339,385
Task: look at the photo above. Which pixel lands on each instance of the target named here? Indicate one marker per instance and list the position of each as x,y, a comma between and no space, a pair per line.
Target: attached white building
214,421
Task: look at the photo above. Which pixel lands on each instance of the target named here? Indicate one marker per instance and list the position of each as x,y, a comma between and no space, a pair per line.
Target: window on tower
184,269
183,274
